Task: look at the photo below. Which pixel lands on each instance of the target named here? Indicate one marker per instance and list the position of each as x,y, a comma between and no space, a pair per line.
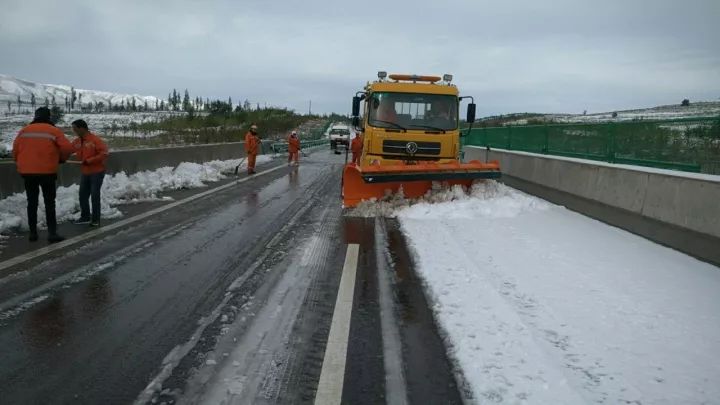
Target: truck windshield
433,112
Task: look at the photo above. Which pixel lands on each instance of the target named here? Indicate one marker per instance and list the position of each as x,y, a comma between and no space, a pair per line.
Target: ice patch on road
121,189
485,199
22,307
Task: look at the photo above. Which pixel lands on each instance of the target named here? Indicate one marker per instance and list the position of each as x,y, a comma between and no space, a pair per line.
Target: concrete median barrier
130,161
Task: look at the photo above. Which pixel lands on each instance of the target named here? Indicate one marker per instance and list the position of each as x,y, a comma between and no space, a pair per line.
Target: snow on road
542,305
121,189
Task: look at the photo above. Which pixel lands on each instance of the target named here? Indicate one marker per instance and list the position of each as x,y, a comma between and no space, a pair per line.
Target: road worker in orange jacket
92,153
38,149
356,147
293,148
252,148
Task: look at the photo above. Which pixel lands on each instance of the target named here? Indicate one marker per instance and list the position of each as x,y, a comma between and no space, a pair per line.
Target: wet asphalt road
226,299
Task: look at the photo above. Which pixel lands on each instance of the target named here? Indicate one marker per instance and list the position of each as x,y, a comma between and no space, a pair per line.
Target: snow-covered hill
664,112
12,88
701,109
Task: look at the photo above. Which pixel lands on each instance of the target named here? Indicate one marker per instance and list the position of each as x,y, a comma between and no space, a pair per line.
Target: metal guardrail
279,147
690,144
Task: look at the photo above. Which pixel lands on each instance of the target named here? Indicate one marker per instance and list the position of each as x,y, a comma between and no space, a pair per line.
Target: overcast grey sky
513,56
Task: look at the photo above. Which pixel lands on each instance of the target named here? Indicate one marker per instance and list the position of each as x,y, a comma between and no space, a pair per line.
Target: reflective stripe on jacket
39,148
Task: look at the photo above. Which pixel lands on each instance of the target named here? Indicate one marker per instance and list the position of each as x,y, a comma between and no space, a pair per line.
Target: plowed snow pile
541,305
453,202
120,189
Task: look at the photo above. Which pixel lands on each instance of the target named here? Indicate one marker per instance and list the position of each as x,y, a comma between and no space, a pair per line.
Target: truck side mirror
356,121
470,113
356,106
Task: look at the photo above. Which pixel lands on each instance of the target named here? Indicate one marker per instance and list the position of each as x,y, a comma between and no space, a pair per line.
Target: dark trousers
33,184
90,185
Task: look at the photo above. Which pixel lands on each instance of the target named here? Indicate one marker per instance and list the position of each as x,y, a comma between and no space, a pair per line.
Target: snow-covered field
16,116
542,305
121,189
107,124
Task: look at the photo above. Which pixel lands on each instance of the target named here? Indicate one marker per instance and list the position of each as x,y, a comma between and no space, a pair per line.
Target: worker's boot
32,224
53,236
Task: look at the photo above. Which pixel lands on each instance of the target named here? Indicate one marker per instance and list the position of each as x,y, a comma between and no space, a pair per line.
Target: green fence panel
690,144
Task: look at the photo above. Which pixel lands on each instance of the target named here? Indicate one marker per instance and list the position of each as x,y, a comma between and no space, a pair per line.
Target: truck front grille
401,147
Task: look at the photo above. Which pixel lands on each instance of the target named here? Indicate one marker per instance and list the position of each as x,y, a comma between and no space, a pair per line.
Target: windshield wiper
431,127
392,123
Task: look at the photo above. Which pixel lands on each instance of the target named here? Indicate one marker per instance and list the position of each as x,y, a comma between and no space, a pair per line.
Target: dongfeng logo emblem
411,148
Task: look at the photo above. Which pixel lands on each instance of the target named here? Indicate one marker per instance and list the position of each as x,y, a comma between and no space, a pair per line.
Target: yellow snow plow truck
410,139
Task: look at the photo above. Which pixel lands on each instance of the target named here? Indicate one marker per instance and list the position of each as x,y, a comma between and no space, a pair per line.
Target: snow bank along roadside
673,208
542,305
121,189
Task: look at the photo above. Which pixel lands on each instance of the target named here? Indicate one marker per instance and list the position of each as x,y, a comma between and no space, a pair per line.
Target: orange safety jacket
92,152
39,148
293,144
252,143
356,145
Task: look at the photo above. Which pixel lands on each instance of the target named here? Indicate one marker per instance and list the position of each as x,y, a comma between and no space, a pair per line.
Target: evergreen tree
176,100
134,106
122,105
73,98
32,100
56,114
67,103
186,101
110,106
246,105
9,105
230,102
80,100
52,102
146,105
162,105
47,102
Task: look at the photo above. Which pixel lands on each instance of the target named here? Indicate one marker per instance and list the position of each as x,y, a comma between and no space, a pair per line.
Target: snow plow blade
366,183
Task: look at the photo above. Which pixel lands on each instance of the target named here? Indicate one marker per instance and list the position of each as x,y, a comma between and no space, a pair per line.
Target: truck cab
410,118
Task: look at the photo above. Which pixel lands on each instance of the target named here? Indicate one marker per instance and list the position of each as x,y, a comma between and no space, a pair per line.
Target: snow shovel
239,164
